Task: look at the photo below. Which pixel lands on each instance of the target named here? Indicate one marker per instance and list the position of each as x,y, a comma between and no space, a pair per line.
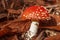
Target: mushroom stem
33,29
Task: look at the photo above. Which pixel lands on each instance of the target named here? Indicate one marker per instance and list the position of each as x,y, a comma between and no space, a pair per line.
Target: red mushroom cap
35,13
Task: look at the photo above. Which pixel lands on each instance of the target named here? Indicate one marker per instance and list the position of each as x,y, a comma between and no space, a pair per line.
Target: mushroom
35,14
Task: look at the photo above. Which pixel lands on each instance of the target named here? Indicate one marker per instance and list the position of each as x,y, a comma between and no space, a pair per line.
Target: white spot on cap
42,13
30,14
46,11
41,6
37,14
33,12
39,17
40,10
36,11
43,17
23,15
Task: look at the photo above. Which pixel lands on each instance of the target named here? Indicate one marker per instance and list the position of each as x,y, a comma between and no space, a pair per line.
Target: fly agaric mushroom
34,13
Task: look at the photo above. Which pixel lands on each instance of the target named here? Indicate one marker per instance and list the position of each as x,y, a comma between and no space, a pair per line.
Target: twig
3,3
40,37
